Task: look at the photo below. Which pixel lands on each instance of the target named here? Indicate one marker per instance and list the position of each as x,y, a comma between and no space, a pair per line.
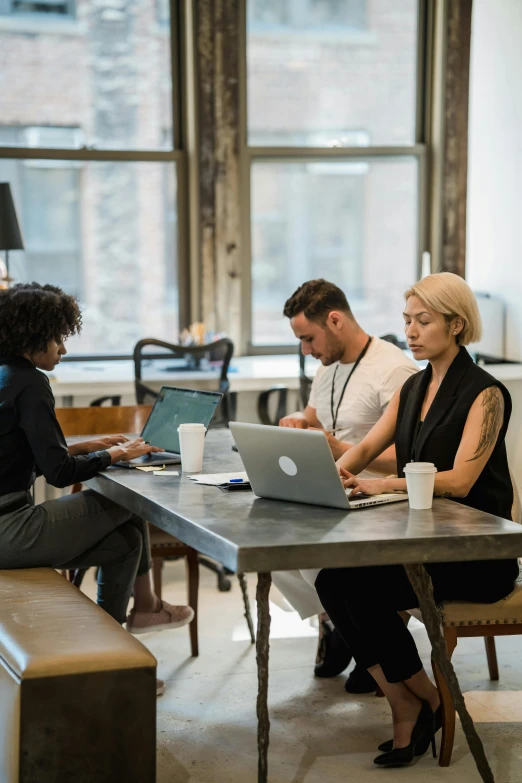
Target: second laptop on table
173,407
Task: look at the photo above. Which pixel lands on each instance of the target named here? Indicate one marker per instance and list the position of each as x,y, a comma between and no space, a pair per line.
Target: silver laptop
173,407
297,465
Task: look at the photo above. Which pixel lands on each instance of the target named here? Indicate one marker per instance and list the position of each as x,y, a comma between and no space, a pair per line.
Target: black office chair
192,356
221,351
392,338
263,405
305,383
280,393
113,399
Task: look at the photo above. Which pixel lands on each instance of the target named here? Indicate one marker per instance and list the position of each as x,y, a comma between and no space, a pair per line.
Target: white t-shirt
381,371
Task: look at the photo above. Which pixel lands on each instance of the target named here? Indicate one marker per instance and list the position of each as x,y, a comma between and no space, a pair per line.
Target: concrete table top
246,533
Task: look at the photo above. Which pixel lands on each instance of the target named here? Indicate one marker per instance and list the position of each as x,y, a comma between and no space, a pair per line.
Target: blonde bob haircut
451,296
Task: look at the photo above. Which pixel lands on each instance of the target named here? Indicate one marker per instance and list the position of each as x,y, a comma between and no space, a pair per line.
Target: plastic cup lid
420,467
187,427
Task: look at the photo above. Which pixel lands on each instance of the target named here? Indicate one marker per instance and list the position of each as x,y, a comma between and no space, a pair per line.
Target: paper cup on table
420,481
191,445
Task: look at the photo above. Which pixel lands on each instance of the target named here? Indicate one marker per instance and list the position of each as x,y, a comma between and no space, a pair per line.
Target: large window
90,143
333,159
335,162
354,223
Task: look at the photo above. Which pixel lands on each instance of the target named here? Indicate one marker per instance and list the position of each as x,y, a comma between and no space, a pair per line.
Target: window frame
176,157
253,154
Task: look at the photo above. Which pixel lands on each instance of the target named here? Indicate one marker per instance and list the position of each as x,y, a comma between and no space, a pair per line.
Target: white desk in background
246,373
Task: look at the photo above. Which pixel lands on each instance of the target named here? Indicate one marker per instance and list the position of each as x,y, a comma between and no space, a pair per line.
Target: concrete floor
319,734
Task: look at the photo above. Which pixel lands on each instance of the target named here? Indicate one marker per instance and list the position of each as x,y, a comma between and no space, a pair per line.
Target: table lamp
10,235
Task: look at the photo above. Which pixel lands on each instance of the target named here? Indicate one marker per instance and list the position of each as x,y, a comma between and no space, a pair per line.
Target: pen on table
236,481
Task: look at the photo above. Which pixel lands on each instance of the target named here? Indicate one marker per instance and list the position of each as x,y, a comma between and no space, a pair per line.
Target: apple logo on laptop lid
288,466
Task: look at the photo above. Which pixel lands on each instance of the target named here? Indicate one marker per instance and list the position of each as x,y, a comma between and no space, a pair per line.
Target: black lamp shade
10,235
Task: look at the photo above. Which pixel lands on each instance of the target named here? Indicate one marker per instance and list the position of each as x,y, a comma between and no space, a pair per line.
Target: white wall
494,256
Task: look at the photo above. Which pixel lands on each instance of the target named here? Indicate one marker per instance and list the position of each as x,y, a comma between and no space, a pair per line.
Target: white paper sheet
220,479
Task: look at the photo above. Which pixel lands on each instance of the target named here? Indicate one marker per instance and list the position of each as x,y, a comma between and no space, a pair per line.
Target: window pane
40,7
353,223
331,72
107,75
106,232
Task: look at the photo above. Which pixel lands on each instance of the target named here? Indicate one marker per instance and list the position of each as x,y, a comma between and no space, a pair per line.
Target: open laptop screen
174,407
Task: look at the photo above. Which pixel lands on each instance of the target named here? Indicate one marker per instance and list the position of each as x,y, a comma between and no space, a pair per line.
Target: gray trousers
78,531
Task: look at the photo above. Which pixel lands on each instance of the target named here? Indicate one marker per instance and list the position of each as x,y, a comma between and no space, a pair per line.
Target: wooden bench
77,692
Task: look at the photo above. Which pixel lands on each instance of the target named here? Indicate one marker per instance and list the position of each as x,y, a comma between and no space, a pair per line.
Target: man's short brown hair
316,299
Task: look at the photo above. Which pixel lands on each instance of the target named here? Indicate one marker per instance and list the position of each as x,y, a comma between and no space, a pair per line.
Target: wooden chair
460,619
129,419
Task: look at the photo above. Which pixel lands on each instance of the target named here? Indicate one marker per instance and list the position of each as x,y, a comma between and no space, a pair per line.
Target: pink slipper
168,617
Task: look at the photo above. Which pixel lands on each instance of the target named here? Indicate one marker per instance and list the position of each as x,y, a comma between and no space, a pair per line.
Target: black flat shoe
437,724
421,737
334,655
360,681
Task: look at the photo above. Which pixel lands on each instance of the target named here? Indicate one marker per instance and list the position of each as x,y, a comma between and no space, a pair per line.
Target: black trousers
363,604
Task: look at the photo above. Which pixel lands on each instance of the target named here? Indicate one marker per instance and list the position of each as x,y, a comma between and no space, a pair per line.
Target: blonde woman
455,415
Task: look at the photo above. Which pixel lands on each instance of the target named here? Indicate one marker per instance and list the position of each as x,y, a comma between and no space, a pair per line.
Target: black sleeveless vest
440,435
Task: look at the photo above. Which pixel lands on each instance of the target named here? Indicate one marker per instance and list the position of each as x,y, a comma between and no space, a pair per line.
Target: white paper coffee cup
420,482
191,446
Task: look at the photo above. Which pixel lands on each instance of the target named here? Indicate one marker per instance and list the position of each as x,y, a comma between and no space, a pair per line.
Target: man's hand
131,449
338,447
296,422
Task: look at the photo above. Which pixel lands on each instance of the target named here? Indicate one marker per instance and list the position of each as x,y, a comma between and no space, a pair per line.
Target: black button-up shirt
31,439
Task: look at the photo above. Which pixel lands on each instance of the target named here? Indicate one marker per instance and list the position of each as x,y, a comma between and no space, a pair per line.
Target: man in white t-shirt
350,392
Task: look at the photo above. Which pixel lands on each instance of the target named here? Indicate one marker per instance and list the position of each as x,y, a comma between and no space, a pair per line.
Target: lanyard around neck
357,362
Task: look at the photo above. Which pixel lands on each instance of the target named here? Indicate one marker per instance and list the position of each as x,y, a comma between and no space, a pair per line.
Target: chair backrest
305,383
281,395
103,421
394,340
220,351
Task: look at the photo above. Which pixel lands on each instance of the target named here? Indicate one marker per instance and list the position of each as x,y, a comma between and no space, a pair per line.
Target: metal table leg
420,580
262,648
246,602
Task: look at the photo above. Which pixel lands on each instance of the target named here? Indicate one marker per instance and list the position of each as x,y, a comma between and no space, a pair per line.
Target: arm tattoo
492,418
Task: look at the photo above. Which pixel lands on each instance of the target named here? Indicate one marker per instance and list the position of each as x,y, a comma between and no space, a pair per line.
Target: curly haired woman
79,530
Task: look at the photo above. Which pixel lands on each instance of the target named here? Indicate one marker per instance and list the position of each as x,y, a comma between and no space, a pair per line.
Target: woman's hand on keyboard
98,444
364,486
131,449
